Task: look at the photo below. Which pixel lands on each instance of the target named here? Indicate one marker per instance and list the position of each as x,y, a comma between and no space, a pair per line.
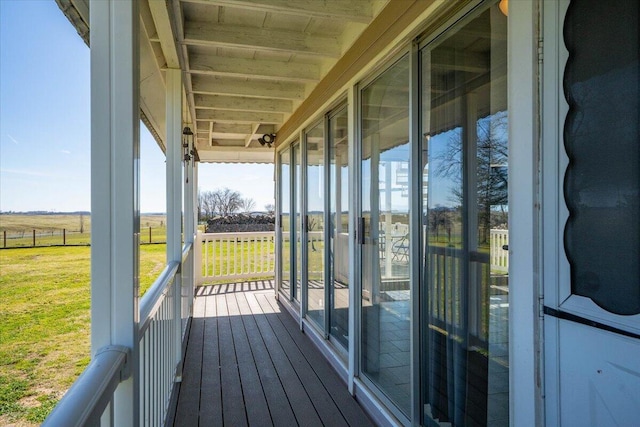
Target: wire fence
32,238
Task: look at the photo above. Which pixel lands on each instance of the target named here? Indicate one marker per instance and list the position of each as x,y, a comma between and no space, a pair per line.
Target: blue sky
45,122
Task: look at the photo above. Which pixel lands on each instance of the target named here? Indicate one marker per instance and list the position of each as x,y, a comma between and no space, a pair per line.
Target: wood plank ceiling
250,63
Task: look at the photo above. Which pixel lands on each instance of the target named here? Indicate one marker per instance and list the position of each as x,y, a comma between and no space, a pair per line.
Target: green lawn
18,229
45,324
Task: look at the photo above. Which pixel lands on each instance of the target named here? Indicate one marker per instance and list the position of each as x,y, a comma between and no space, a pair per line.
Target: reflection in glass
315,225
464,348
339,227
385,216
285,210
602,140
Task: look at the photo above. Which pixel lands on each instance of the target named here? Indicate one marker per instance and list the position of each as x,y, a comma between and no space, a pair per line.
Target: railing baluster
238,255
242,267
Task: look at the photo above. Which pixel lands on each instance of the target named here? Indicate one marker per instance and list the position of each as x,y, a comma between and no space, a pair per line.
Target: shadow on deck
247,363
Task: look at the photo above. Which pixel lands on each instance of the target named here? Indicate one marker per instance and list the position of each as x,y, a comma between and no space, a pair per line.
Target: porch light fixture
504,7
267,139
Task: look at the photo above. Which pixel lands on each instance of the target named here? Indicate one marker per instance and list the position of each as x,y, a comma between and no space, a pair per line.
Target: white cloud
65,151
27,172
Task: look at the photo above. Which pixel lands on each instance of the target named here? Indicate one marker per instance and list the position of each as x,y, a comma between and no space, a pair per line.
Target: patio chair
400,249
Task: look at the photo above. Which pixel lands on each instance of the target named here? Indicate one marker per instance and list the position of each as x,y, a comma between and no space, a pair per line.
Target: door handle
360,230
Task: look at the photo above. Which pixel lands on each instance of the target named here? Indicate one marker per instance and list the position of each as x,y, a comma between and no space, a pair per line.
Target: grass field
49,228
45,324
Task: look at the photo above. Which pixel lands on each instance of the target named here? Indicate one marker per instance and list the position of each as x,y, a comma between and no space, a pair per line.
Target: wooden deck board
211,390
279,408
233,409
300,403
257,411
247,363
189,401
320,397
352,414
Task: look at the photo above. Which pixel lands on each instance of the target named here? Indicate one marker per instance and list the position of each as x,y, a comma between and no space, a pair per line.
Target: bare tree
206,204
270,208
247,205
490,164
227,201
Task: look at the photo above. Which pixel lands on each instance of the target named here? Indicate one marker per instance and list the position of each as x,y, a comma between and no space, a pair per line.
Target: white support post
174,199
197,259
115,211
524,353
190,209
196,264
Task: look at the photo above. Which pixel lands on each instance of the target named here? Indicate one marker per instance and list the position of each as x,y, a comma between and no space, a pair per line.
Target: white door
591,214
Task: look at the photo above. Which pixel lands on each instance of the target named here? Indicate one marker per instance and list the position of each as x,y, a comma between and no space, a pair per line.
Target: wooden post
149,234
5,238
34,238
64,237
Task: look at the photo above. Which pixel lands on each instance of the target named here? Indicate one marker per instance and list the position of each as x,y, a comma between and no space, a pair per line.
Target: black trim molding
588,322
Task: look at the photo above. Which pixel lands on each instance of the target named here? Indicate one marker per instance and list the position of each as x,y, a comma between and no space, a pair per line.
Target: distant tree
270,208
247,205
81,223
206,205
227,201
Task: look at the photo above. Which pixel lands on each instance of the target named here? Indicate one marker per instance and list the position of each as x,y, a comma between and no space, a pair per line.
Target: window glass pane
602,140
315,225
296,244
339,231
285,210
465,288
385,252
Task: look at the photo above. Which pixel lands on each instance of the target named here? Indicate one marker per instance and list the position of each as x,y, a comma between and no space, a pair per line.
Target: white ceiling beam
239,129
217,136
235,154
250,88
221,116
165,34
353,11
221,142
222,102
248,139
236,36
254,68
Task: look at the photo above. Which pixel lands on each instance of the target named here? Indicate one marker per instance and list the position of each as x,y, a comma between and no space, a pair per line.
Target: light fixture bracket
267,139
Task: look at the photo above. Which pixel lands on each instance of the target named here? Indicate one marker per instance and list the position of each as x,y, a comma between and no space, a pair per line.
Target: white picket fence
236,256
239,256
498,252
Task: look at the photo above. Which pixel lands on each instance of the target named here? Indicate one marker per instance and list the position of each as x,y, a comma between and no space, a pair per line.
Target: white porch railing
499,255
161,335
218,256
236,256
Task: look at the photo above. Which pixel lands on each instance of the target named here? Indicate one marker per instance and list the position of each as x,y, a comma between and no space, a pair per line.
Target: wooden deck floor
247,363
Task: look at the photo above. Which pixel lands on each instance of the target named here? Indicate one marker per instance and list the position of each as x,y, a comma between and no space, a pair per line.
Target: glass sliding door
384,234
315,199
285,222
296,227
338,262
464,281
